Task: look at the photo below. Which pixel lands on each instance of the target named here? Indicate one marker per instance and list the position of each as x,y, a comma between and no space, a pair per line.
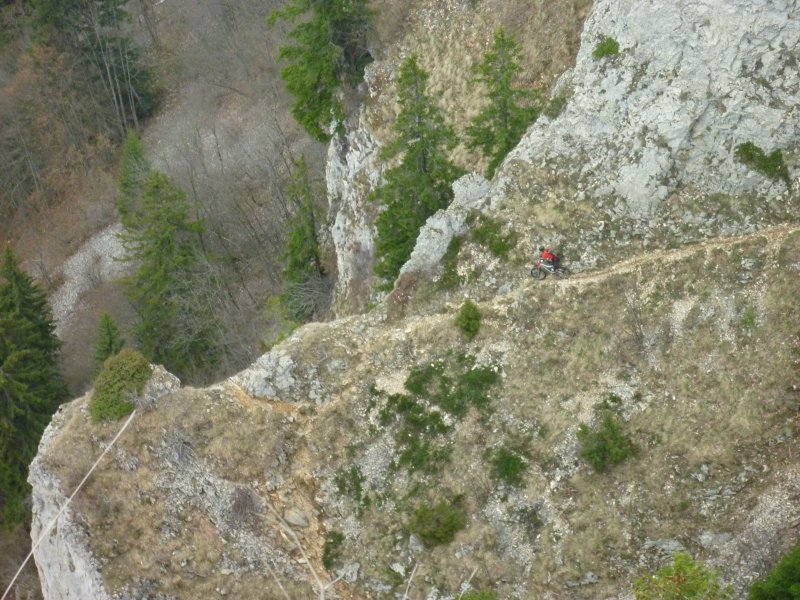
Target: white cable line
63,508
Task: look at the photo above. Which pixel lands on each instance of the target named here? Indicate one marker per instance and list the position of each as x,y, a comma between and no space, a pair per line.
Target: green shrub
350,482
605,446
455,395
450,278
122,377
472,388
508,466
489,233
749,318
556,106
475,595
770,165
608,47
417,426
332,550
782,583
434,388
469,319
436,525
684,579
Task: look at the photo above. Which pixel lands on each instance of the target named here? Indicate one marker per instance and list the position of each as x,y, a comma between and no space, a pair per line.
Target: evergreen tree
108,340
502,123
133,171
31,387
421,184
305,288
328,49
171,286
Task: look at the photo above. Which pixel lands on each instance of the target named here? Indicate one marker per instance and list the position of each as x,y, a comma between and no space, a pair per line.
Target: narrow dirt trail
774,235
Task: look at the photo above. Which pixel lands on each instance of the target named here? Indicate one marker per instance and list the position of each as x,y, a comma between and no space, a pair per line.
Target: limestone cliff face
352,171
645,136
690,82
67,566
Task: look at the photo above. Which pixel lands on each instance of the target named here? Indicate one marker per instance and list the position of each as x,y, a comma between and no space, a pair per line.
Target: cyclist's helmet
541,248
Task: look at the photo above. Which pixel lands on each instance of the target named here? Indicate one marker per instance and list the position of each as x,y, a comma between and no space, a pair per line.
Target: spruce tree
171,286
503,121
421,184
108,340
133,171
328,49
31,386
304,283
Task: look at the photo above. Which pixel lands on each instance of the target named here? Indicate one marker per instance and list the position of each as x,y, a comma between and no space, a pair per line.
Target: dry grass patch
451,37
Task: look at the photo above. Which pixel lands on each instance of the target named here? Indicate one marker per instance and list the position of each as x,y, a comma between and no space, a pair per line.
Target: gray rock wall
66,567
692,80
353,170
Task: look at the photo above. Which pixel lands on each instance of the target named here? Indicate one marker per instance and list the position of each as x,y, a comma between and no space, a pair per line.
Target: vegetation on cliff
421,184
510,109
328,51
31,386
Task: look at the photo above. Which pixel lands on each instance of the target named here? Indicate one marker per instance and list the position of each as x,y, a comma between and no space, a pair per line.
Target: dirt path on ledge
774,235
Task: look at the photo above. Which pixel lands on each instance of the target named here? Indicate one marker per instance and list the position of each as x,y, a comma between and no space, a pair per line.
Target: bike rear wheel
538,273
563,272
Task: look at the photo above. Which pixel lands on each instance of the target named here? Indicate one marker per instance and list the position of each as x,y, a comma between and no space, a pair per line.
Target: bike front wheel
538,273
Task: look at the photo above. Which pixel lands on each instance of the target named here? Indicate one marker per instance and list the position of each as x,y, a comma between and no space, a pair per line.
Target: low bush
435,389
508,466
450,278
782,583
332,550
607,47
684,579
605,446
468,319
476,595
350,482
489,234
123,376
556,106
438,524
455,395
770,165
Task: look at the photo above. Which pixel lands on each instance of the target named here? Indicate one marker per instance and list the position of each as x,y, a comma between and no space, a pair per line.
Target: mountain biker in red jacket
549,257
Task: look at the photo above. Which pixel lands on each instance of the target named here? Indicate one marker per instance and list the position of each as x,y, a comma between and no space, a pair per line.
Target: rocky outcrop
646,137
353,170
690,82
237,490
469,193
67,567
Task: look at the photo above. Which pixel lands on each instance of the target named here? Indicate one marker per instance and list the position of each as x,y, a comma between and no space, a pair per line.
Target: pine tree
31,387
421,184
108,340
305,288
133,171
502,123
171,286
329,49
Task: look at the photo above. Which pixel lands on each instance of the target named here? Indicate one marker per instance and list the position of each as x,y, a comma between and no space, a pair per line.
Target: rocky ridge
231,489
